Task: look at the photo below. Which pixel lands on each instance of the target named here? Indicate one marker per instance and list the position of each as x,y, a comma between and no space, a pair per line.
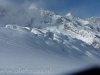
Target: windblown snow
38,39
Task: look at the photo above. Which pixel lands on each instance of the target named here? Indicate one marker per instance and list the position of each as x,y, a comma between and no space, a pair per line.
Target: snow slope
35,38
95,20
20,48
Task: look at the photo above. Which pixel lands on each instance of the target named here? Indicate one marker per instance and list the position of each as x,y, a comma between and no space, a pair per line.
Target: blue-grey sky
82,8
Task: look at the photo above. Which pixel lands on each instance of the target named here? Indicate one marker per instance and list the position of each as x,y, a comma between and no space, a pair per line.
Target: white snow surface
38,39
42,49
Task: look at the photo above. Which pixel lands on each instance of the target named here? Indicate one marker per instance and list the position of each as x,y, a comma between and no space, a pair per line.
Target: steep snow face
41,49
87,30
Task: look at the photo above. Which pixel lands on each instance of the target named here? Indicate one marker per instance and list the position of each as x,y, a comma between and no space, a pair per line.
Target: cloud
19,13
6,3
77,7
20,3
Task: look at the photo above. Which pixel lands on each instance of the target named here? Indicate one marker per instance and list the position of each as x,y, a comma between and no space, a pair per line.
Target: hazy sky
82,8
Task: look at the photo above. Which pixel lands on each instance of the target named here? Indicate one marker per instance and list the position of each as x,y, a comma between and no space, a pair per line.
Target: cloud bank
15,13
82,8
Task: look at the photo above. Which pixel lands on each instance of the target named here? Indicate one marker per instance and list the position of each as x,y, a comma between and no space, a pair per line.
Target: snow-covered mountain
86,30
33,37
95,20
